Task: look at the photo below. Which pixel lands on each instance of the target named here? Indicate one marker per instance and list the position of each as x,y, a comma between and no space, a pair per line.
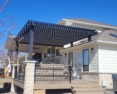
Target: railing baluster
24,73
19,71
35,74
53,72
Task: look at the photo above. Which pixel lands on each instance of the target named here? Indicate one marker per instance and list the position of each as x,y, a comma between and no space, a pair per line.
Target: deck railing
50,74
49,60
20,72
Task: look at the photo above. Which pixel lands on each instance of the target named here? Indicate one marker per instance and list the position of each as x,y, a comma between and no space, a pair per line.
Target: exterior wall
107,59
107,64
90,76
105,79
93,57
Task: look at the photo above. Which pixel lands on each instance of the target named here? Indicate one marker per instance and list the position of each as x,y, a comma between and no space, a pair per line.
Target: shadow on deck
6,85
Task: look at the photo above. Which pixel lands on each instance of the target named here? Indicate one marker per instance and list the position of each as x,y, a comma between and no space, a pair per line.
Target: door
79,65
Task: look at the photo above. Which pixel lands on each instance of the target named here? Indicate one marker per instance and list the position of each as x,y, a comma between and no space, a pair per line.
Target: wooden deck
61,84
77,86
6,80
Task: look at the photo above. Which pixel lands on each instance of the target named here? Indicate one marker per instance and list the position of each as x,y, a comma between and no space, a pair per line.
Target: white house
94,60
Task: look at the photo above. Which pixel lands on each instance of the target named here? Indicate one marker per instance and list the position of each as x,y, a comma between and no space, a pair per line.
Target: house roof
52,34
106,36
87,21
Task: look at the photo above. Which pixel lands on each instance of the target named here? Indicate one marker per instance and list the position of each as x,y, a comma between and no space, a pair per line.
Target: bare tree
3,56
6,24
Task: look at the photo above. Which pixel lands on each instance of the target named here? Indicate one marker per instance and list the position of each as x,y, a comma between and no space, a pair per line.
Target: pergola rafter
52,34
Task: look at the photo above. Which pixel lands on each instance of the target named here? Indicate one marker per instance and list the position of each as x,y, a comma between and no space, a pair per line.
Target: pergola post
89,38
31,44
71,44
30,67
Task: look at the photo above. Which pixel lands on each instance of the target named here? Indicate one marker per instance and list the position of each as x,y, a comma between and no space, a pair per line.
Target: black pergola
52,34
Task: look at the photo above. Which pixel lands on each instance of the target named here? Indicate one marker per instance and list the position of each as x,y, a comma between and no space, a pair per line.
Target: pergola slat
53,34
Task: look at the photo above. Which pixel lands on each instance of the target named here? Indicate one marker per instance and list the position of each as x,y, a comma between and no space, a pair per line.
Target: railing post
15,72
70,70
13,87
11,69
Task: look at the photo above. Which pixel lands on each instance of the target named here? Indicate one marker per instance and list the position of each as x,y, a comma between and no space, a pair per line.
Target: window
86,60
79,58
45,55
53,51
48,52
57,52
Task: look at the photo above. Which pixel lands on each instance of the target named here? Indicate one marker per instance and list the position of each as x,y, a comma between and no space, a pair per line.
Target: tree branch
4,5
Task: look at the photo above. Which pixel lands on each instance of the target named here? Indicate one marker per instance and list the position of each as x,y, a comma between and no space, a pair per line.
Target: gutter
96,25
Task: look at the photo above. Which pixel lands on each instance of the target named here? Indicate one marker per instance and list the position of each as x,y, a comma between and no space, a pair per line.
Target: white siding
107,59
93,59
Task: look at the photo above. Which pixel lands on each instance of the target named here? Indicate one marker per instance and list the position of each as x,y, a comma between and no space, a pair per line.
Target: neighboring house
96,59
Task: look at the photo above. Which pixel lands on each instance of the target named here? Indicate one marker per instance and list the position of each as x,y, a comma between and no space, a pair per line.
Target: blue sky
54,10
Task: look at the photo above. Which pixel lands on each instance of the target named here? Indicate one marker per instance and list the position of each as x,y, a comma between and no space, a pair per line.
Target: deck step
84,89
99,92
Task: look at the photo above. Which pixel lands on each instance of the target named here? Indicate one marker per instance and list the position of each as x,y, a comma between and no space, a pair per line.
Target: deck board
6,80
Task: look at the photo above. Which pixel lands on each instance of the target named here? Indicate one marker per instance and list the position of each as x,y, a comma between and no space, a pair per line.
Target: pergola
41,33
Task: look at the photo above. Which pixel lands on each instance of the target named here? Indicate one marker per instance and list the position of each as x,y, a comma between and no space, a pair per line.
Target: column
29,77
13,87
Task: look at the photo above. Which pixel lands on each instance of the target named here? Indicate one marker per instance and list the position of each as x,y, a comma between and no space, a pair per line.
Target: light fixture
92,50
65,54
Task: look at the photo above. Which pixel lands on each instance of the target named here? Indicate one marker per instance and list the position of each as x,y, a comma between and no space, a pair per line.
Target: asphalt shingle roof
86,21
105,36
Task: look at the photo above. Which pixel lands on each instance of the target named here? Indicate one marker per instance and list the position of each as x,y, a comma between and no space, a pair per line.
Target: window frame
86,67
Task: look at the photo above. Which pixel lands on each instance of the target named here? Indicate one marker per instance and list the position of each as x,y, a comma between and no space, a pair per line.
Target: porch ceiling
52,34
25,48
